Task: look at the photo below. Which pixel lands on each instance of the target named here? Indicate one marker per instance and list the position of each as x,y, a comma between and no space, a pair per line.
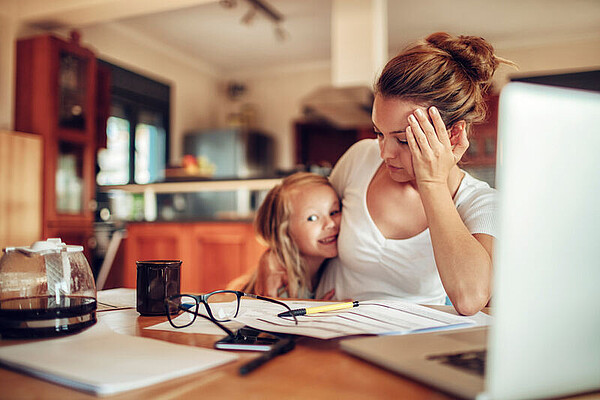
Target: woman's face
315,220
390,119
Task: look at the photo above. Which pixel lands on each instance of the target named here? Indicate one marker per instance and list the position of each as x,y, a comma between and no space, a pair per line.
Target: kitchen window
137,130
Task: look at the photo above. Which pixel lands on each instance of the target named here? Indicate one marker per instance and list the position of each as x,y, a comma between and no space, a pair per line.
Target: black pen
282,347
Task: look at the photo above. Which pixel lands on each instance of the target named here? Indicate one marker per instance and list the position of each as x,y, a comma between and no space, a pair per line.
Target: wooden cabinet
56,98
482,142
213,254
318,143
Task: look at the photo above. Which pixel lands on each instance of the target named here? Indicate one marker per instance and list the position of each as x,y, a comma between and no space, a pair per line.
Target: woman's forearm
464,264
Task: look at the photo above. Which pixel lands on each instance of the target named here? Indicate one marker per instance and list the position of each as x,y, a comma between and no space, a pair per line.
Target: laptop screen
545,339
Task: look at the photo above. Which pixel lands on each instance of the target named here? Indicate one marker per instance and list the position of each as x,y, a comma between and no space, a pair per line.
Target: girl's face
315,220
390,119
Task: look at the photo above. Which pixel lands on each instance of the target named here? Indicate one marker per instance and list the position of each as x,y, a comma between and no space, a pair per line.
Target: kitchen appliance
46,289
235,154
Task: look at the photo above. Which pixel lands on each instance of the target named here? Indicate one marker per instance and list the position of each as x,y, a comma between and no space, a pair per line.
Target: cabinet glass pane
69,179
150,147
72,90
114,159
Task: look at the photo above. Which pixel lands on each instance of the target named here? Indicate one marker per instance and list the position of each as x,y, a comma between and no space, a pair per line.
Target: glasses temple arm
225,329
255,296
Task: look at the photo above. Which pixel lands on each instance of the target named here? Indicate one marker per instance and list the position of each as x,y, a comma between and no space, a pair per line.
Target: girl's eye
312,218
378,135
402,141
334,212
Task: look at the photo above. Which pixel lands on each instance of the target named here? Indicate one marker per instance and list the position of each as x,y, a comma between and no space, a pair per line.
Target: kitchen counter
203,185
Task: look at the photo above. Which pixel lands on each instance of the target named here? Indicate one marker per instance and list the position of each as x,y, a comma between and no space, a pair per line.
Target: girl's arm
464,260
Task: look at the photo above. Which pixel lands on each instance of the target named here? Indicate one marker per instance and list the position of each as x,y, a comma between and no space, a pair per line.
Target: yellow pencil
319,309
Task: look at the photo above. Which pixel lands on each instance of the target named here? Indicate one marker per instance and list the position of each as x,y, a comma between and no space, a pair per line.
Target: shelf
197,186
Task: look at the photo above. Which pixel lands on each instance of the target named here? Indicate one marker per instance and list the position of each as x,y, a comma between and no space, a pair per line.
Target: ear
455,132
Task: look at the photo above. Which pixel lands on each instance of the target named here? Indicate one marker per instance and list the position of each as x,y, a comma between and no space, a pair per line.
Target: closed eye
334,212
402,141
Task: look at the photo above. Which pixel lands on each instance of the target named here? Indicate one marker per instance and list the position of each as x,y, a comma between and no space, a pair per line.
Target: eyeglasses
221,306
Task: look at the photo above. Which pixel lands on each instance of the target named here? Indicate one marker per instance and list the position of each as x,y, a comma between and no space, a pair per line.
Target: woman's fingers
440,127
418,134
429,131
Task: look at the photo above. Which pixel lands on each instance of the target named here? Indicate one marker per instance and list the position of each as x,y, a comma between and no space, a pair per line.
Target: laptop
544,340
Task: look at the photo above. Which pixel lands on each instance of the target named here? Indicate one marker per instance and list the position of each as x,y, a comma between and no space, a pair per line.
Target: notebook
544,340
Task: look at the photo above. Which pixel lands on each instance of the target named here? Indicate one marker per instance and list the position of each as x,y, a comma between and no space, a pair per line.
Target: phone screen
250,340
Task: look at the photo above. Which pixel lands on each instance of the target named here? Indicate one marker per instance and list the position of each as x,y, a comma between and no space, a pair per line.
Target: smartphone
248,339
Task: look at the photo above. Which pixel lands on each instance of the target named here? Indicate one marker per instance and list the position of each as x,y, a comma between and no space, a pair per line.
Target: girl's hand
270,278
329,295
433,155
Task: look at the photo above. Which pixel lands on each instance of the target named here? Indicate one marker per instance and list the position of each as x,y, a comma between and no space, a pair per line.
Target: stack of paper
375,317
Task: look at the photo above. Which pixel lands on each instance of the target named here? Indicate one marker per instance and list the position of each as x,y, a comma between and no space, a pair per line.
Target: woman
414,225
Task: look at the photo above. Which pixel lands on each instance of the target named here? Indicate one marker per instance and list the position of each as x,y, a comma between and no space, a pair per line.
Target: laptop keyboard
471,361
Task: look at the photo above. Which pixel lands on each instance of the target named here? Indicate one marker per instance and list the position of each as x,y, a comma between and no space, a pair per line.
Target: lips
329,239
392,167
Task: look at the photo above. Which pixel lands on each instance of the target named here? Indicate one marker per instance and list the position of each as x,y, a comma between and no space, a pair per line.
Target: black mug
156,281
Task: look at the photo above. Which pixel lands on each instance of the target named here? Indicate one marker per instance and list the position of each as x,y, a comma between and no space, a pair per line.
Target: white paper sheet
116,299
103,362
379,317
370,317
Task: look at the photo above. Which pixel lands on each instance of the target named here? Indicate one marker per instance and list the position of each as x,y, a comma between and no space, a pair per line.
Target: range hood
343,107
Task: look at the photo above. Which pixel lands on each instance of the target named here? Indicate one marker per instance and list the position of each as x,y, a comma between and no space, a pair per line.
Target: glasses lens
223,305
186,303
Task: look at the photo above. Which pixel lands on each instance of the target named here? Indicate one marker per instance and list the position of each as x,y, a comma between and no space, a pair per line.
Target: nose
330,223
386,148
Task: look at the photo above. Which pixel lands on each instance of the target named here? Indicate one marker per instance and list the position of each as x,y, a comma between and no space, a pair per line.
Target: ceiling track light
228,3
248,18
267,9
280,33
264,8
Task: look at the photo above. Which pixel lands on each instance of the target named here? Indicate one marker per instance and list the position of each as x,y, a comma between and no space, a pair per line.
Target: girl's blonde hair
272,227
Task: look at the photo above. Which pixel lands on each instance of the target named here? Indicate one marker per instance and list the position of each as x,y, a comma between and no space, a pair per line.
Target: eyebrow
398,131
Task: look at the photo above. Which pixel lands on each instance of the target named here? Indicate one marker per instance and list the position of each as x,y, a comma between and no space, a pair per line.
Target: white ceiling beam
359,41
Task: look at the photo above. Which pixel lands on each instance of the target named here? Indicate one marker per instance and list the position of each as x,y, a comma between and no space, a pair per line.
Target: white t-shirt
368,265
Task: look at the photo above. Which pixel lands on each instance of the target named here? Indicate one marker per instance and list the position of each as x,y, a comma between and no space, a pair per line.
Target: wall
195,94
277,96
545,59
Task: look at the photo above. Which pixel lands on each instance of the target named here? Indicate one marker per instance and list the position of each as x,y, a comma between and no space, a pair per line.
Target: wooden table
315,369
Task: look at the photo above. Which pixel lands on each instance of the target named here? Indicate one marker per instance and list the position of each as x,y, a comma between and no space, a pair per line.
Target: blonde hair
272,227
452,73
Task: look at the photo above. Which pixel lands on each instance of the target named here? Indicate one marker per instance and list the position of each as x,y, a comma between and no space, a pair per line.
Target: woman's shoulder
357,161
476,203
471,186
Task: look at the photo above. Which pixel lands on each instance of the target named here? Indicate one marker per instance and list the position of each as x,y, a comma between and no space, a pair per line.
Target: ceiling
206,31
214,33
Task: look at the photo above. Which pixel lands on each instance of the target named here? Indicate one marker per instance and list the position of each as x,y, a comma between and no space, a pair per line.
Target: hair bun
474,54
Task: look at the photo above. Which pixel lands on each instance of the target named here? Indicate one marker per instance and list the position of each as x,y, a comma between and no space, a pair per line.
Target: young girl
298,221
